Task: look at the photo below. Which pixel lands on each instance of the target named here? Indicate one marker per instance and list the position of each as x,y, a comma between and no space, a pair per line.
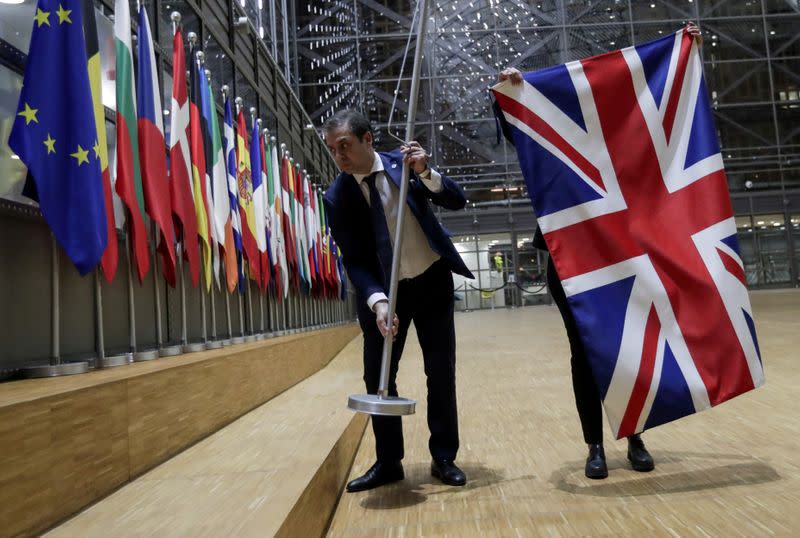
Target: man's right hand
382,318
510,73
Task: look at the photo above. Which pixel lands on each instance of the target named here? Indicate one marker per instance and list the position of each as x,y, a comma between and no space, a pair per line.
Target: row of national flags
228,199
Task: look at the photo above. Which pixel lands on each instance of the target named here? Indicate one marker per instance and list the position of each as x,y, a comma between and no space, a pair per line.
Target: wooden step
68,442
277,471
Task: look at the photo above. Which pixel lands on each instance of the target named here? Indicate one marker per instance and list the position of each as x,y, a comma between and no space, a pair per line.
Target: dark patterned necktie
380,229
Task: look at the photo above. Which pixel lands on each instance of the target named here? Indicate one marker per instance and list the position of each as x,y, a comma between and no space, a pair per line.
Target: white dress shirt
416,254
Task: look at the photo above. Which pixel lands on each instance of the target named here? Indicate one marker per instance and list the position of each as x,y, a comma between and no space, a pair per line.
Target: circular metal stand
250,338
149,355
214,344
117,360
259,337
372,404
237,340
171,351
280,333
194,347
226,342
55,370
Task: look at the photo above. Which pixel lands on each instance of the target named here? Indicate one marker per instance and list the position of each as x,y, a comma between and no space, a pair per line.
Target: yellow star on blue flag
63,14
69,184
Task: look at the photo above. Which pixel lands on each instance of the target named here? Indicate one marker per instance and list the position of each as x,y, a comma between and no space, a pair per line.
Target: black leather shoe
640,458
448,472
382,472
596,467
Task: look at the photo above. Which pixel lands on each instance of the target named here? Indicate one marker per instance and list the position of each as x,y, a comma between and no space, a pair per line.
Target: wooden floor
730,471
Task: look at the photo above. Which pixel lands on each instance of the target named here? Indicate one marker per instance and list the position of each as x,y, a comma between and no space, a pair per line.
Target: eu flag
54,133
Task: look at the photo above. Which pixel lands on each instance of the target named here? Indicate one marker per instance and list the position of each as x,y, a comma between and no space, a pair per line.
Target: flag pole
184,344
55,366
224,90
261,275
383,403
214,343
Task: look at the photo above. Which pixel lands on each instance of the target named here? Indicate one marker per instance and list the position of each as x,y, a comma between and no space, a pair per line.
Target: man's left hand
415,156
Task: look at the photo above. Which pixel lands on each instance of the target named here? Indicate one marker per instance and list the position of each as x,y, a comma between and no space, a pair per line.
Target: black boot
379,474
640,458
448,472
596,462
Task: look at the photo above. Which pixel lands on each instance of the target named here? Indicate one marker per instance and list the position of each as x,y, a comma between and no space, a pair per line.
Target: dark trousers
427,300
587,398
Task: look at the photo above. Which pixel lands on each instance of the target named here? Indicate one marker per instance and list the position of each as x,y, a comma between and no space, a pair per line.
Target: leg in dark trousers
587,399
388,430
432,294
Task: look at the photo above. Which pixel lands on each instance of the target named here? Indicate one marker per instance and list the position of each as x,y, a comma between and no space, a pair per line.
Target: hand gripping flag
624,170
54,133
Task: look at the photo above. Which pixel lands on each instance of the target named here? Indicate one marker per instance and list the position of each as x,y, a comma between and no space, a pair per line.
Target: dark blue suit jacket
348,215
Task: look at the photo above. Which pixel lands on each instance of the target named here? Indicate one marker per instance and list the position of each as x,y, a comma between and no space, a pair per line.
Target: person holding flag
362,203
587,396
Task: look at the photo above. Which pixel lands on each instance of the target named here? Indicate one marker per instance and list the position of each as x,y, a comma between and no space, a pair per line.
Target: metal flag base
214,344
250,338
171,351
148,355
226,342
237,340
373,404
117,360
194,347
55,370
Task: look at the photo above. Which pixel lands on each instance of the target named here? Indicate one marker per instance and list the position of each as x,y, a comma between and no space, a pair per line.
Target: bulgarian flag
129,178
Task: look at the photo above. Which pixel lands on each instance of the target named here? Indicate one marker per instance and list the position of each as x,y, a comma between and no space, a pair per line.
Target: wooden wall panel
68,442
60,454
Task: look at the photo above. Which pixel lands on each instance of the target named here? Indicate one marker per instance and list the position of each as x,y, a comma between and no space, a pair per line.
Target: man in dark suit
362,205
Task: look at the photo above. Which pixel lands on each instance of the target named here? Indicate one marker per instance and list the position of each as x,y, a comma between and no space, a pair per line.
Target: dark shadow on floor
708,475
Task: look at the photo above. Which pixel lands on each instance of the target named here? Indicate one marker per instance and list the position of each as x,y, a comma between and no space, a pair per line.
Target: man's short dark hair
359,125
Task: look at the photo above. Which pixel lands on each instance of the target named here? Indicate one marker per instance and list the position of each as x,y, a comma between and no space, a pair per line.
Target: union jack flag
620,156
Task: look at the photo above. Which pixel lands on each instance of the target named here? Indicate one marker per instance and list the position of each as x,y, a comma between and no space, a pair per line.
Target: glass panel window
771,241
12,171
16,23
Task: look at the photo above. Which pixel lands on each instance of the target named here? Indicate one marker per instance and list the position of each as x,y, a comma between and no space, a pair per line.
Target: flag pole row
230,203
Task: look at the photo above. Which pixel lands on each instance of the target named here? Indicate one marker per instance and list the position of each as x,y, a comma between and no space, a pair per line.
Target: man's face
352,156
